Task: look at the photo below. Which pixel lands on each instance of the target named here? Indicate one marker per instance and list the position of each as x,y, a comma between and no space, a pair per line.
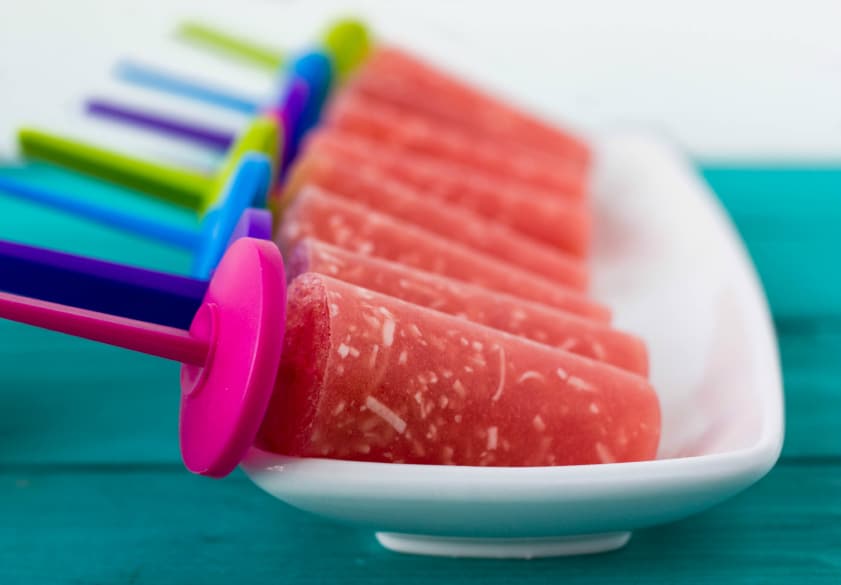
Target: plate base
503,548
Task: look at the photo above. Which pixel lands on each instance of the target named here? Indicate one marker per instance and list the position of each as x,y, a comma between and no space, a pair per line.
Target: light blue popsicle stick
150,78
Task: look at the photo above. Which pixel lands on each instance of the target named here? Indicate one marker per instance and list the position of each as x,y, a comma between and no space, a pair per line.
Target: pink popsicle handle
149,338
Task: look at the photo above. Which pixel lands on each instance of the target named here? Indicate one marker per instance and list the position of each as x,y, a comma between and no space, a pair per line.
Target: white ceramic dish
669,262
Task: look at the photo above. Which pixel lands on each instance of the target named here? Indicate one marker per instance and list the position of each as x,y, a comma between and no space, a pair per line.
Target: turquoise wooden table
92,490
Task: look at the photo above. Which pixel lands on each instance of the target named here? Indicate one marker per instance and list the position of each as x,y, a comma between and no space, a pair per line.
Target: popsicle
315,213
521,207
413,133
349,373
375,190
393,75
527,319
179,186
366,376
249,182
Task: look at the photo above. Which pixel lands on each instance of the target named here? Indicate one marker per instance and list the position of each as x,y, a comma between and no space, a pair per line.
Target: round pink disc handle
230,355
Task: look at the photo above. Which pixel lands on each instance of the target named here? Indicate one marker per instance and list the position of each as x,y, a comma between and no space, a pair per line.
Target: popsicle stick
202,135
229,45
94,211
158,340
149,78
347,42
193,190
98,285
177,186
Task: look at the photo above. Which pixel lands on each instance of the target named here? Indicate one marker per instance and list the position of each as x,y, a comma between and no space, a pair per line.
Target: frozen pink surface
532,212
314,213
501,311
369,377
404,80
373,188
419,134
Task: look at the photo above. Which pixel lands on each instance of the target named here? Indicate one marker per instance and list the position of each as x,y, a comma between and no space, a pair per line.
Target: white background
726,79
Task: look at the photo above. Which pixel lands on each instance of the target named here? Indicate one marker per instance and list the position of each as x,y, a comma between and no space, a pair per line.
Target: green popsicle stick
184,188
181,187
347,42
238,48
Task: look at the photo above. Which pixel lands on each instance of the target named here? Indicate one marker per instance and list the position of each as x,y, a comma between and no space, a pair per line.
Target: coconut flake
604,454
493,433
501,386
580,384
385,413
388,332
530,375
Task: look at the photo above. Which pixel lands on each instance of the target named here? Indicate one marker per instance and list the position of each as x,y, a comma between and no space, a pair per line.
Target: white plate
669,262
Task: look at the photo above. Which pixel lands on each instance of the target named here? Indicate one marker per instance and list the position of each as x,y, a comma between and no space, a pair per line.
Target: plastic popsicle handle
151,78
185,188
229,356
219,228
98,285
287,112
150,338
347,41
316,70
195,133
100,213
225,44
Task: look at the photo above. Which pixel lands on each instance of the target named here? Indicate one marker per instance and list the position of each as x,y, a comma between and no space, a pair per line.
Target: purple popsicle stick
288,111
215,139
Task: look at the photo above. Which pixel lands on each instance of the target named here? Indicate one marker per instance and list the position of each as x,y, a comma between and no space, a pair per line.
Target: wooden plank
148,525
810,352
788,218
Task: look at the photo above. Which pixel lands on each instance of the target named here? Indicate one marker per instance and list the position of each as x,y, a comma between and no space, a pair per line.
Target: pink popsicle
367,185
314,213
418,134
532,212
393,75
531,320
365,376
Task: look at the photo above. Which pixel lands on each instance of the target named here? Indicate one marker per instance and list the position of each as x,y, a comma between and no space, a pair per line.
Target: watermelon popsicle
533,321
417,134
397,77
314,213
523,208
340,371
372,188
365,376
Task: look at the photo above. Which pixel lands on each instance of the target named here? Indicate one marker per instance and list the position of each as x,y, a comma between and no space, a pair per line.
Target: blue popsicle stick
150,78
314,68
217,228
